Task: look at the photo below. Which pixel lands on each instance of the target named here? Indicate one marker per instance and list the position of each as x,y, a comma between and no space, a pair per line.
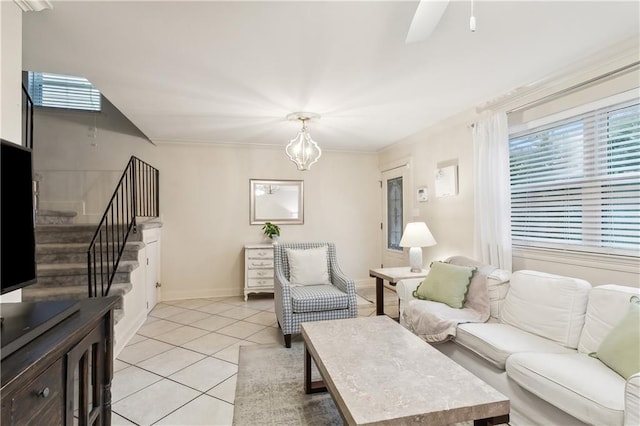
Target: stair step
80,233
77,252
75,274
31,294
55,217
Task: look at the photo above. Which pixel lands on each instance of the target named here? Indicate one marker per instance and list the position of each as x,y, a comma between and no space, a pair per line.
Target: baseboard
200,294
123,335
365,283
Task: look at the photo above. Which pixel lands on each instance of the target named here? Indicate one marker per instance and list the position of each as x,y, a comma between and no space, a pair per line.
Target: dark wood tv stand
64,373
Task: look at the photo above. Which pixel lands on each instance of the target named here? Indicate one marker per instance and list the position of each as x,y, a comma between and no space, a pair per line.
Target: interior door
394,190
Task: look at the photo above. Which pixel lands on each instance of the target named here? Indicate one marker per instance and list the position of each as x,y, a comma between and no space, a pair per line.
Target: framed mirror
280,202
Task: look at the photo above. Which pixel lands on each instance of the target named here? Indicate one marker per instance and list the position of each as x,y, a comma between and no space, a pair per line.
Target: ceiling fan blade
426,19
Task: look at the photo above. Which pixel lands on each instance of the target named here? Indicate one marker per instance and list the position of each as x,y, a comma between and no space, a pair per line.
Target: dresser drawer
263,253
260,282
260,273
39,402
259,263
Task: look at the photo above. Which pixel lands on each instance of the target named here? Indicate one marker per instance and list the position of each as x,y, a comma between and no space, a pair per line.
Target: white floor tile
165,311
190,303
215,308
188,317
241,329
157,327
213,323
204,410
260,302
264,318
181,335
205,374
267,336
225,390
239,312
210,343
117,420
144,350
119,365
136,339
171,361
231,353
155,402
129,381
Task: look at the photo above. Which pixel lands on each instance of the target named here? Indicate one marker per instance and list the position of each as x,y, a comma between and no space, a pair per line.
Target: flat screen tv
17,214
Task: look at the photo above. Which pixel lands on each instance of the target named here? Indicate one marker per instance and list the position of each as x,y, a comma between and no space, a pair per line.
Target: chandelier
302,150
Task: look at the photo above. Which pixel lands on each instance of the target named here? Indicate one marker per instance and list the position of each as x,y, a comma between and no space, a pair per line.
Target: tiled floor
180,368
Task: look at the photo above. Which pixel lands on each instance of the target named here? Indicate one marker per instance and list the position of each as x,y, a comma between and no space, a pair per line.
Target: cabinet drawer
259,282
260,273
265,253
259,263
41,401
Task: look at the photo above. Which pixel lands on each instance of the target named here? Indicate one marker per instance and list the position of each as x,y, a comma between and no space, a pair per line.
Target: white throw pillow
308,267
548,305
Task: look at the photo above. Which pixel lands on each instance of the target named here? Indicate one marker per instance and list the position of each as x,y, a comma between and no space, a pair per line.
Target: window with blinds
575,184
63,91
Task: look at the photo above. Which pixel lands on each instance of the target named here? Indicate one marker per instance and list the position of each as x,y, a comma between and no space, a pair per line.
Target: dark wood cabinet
63,377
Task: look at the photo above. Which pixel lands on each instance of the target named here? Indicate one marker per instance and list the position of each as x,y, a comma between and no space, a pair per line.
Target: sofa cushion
576,383
548,305
496,342
446,283
315,298
620,350
607,305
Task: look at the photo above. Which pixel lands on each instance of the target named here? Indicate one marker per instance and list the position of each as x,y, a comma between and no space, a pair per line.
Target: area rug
270,389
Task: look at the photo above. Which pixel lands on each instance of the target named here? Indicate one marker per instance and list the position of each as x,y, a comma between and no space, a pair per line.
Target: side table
392,275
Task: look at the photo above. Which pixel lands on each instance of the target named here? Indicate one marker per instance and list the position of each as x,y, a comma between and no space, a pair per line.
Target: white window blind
575,184
63,91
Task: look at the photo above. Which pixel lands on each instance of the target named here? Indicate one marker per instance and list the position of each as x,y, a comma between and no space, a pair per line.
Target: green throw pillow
446,283
620,350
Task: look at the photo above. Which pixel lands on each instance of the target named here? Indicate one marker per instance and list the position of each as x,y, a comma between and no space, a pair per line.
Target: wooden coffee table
378,372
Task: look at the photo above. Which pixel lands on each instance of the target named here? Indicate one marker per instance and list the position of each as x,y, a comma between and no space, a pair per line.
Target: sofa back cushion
547,305
607,305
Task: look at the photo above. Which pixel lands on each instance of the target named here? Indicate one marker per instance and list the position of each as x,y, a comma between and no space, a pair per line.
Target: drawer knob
44,393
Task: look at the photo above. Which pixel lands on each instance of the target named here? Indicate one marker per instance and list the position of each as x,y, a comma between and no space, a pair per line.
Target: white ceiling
229,72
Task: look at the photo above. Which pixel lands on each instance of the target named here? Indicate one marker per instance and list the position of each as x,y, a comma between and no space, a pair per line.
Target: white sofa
535,349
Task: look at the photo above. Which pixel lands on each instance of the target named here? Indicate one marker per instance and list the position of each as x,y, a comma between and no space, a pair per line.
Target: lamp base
415,259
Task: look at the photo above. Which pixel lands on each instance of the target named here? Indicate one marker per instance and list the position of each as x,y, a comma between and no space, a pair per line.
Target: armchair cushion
308,266
317,298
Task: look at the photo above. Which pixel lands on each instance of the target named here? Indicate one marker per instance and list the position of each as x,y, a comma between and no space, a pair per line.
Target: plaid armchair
298,304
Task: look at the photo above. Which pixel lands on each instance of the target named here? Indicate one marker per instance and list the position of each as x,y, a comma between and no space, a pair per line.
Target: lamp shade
417,234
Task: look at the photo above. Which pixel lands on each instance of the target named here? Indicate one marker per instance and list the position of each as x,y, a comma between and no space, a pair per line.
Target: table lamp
416,235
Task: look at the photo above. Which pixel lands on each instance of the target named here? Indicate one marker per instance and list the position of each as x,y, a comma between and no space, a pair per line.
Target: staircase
61,257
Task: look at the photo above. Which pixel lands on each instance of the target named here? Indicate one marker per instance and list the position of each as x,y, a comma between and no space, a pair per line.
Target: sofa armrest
405,289
632,401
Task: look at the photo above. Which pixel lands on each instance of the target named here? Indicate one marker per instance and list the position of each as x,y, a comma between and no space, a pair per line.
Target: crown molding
33,5
602,63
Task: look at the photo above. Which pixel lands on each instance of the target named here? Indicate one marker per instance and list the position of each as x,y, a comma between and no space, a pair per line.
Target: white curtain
492,204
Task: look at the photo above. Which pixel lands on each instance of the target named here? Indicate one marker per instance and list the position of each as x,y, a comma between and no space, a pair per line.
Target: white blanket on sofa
437,322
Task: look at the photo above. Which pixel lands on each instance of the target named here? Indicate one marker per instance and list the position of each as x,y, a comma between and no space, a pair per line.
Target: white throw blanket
437,322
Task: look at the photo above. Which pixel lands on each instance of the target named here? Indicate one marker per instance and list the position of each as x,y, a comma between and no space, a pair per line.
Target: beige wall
450,219
205,210
10,71
10,88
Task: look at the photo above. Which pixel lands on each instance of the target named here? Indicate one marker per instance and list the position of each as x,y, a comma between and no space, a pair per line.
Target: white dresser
258,269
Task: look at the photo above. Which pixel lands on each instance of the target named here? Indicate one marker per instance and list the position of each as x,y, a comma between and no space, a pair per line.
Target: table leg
309,386
379,296
491,421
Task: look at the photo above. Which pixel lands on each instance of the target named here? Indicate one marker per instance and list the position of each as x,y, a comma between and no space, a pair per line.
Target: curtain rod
575,87
396,167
